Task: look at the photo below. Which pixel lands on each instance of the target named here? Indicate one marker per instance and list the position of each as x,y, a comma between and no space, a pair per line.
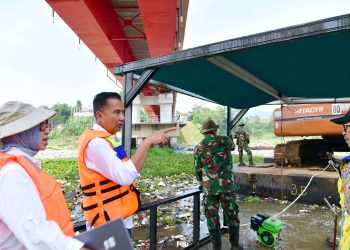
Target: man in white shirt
98,161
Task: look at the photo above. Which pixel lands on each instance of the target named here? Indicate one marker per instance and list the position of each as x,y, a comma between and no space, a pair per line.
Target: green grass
256,159
64,170
167,162
159,164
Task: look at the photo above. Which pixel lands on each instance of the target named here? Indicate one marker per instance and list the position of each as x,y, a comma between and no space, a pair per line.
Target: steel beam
95,22
196,219
136,88
333,24
173,88
159,24
153,228
128,115
228,120
237,118
310,100
225,64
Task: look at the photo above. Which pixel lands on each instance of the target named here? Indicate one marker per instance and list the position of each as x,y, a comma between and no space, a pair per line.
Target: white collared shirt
23,223
100,157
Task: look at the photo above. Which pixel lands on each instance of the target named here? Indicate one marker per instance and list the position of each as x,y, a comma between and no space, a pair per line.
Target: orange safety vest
49,191
103,199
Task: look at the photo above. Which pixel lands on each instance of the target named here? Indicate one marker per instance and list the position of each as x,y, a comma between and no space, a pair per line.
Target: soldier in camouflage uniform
213,165
243,140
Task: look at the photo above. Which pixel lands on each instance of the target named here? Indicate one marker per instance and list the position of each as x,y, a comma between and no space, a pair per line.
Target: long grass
161,162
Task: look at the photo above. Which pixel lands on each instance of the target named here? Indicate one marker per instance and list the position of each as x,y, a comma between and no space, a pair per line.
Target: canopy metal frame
319,27
213,53
246,76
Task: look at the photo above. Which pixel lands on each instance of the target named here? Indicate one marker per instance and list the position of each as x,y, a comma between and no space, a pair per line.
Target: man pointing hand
106,174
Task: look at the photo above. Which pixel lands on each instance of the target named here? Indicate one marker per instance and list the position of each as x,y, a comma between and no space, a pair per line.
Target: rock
163,240
314,207
183,215
175,237
62,182
330,241
304,211
145,221
182,244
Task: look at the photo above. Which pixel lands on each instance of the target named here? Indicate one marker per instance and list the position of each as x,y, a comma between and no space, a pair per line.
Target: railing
156,119
153,207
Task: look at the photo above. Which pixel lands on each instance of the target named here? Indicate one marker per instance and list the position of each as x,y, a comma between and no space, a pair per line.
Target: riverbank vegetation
160,163
68,125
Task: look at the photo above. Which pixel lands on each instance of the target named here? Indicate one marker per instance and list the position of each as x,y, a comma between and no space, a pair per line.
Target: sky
42,62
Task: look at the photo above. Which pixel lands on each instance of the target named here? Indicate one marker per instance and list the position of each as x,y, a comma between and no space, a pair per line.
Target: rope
331,163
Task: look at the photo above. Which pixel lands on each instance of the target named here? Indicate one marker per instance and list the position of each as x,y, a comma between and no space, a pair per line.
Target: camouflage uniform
213,164
242,143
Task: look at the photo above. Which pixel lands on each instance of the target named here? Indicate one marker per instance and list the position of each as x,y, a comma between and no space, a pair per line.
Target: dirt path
53,154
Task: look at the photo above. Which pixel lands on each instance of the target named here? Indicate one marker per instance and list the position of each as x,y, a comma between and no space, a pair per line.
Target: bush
75,126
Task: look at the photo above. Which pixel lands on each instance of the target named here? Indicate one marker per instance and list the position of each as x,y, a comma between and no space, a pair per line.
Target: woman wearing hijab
33,211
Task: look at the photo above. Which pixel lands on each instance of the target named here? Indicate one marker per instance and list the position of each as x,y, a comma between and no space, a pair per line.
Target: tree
44,107
63,111
143,115
78,106
199,114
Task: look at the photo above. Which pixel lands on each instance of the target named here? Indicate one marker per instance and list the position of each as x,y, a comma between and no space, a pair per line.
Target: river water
306,227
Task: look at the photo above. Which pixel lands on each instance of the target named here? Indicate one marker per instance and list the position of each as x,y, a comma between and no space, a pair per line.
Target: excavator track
308,152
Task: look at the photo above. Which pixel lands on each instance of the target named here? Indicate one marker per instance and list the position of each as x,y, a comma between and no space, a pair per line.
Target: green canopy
311,60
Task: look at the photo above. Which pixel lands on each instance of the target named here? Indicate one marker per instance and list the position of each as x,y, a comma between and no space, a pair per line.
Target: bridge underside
121,31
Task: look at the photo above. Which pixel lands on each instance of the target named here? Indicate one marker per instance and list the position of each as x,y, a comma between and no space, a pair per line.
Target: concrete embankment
288,183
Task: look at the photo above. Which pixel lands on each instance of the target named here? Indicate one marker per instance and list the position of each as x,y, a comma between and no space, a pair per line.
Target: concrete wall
165,102
143,130
290,185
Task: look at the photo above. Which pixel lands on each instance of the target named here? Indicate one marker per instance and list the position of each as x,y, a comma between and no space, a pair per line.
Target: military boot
216,238
241,163
233,233
250,158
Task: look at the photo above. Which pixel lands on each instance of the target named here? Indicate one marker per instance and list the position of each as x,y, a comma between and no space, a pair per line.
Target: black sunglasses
45,125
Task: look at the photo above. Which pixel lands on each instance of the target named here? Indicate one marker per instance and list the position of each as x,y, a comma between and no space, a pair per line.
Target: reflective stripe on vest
344,242
51,196
104,200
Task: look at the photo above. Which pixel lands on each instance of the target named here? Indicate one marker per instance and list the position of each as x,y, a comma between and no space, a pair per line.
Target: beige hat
17,117
208,125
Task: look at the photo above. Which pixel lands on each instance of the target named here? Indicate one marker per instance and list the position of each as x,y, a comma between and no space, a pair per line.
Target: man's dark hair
100,100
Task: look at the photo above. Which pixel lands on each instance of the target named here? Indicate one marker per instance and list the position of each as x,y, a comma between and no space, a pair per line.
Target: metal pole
153,228
128,115
196,218
228,133
228,121
335,221
238,117
335,230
